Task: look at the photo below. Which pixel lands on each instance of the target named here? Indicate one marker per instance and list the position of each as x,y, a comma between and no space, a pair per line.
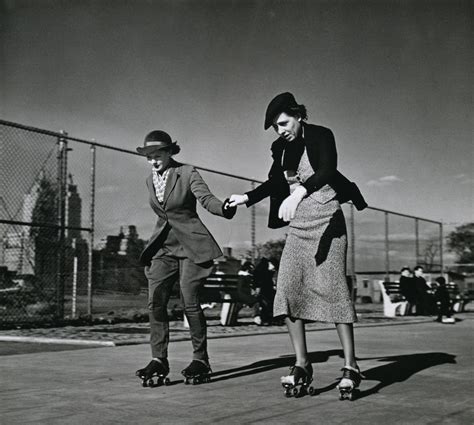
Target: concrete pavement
417,373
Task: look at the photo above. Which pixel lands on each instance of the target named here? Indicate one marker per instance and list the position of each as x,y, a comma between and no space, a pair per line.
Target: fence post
252,225
387,256
91,233
417,241
62,181
353,266
441,247
74,280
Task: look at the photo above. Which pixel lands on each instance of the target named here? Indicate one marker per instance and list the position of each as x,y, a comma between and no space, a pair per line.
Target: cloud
463,179
390,179
384,181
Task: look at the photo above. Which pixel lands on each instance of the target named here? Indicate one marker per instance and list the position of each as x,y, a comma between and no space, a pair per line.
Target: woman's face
159,159
287,126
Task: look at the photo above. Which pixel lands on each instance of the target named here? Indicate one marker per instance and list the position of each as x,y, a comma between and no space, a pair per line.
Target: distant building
18,246
74,210
116,264
29,251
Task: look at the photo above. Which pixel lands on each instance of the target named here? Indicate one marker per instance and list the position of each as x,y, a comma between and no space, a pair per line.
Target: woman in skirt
306,191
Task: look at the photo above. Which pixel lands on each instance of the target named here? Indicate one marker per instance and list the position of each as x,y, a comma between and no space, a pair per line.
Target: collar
162,174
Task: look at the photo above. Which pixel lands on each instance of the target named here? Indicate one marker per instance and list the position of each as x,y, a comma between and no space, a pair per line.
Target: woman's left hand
288,207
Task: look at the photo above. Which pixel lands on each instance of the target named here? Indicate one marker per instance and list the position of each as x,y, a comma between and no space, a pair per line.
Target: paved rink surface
416,374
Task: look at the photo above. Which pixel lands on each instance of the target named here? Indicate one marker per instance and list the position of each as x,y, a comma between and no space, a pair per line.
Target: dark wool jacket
321,150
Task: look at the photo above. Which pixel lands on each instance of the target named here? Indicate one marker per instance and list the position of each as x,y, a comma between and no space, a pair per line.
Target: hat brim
147,150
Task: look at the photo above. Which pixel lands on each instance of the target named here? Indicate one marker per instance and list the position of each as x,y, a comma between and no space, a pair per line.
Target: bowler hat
279,104
157,140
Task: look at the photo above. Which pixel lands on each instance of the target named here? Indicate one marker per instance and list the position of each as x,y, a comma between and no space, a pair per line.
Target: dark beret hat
278,104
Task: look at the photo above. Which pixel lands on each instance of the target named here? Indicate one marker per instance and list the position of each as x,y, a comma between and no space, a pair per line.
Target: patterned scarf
159,182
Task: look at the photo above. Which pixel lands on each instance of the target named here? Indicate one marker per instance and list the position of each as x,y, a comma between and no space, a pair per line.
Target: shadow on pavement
269,364
401,368
398,368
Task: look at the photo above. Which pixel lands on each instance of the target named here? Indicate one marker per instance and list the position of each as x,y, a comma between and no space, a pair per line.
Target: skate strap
355,370
351,373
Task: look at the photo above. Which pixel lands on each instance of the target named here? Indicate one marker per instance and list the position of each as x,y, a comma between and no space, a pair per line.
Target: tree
461,242
271,249
430,254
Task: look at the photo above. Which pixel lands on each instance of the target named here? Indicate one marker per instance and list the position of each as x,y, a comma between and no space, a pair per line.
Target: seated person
423,300
407,289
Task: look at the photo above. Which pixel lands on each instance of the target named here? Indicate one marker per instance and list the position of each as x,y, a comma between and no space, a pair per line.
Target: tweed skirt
311,282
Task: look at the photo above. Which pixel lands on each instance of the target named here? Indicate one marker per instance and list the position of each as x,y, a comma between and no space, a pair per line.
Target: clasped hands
287,208
228,211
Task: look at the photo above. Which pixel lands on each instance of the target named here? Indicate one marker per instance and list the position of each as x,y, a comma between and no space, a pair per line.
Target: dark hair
418,268
441,281
405,268
299,110
175,149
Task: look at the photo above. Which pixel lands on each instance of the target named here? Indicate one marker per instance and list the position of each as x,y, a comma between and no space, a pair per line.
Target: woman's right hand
236,200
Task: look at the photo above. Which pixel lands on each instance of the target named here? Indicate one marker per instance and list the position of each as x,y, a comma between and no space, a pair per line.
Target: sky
392,79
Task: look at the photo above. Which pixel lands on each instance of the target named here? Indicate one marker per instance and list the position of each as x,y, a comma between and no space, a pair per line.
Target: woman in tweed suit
181,248
306,190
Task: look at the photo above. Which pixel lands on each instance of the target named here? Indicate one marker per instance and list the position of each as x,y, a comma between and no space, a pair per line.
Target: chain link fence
74,217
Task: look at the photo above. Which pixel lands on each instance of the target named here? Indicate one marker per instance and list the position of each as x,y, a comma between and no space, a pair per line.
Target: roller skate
198,372
298,382
350,380
156,368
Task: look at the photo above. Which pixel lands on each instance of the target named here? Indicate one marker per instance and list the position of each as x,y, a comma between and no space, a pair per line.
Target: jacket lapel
171,181
151,189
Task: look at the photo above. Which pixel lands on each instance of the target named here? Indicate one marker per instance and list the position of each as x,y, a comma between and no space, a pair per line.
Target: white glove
288,207
236,200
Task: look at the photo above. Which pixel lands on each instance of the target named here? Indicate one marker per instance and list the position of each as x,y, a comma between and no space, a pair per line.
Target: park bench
393,301
229,290
458,299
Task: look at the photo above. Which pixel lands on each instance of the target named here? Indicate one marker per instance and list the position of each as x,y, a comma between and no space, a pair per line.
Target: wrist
300,192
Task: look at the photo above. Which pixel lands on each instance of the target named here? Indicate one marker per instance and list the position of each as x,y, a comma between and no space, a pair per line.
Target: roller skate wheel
311,391
167,381
144,384
151,383
296,392
345,395
287,393
186,381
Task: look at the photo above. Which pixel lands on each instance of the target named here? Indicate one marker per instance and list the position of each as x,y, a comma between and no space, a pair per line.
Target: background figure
423,300
407,289
244,287
443,301
263,280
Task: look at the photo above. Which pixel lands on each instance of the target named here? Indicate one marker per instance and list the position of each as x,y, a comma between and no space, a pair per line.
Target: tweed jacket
321,150
183,187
